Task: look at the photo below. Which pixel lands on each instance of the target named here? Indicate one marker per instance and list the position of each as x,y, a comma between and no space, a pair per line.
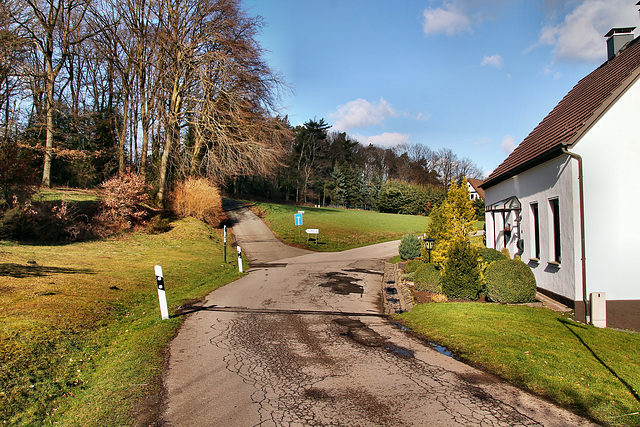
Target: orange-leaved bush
122,199
199,199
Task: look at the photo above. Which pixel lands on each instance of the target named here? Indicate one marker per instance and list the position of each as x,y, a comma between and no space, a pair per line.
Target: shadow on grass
21,271
569,326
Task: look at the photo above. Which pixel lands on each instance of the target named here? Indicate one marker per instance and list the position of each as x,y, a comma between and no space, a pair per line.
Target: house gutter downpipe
587,312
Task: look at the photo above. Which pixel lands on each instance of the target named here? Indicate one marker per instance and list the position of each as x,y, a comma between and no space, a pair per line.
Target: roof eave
575,138
604,107
536,161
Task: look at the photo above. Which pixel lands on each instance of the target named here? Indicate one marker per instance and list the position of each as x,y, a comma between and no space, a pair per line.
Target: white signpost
225,244
162,296
311,231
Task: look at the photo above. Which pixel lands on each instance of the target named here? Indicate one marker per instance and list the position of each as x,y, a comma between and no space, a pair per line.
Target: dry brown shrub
199,199
122,202
440,298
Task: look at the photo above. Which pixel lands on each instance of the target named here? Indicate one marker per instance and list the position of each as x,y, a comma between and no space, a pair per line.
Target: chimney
618,37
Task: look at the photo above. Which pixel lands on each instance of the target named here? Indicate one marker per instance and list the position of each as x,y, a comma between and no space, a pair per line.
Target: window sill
535,260
554,264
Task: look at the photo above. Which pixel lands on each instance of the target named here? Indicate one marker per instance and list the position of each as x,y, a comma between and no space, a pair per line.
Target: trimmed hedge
510,281
427,278
490,255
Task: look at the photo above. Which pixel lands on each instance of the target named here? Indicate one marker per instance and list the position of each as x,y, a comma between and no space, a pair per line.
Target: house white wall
473,194
551,180
611,161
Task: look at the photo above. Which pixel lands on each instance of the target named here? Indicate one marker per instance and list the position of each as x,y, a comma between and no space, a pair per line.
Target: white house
565,199
475,191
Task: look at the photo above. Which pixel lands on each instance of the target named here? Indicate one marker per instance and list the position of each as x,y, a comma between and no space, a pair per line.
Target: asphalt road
300,341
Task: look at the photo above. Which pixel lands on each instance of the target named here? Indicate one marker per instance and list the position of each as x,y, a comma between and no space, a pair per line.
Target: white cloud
361,113
579,37
508,144
385,140
449,19
482,141
493,60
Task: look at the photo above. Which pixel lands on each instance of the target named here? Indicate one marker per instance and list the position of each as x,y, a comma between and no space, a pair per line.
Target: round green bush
409,247
427,278
489,255
412,265
510,281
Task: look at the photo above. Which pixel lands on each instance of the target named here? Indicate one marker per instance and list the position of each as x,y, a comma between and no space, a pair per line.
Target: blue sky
472,76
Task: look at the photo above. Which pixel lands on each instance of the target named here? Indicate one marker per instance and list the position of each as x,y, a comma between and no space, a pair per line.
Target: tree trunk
122,137
164,163
48,151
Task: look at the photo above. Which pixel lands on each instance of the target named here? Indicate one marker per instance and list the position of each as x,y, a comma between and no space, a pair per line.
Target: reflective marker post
225,244
239,259
162,296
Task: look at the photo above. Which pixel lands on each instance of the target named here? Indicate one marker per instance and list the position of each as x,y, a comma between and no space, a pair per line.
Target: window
555,228
535,230
506,235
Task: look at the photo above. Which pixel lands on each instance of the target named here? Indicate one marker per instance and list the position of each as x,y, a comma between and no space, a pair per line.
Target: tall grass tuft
198,198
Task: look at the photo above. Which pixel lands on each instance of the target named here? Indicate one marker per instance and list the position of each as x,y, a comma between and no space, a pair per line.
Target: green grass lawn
81,338
66,194
595,372
340,229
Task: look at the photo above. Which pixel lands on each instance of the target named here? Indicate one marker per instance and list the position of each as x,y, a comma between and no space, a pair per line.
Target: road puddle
437,347
405,353
342,284
361,333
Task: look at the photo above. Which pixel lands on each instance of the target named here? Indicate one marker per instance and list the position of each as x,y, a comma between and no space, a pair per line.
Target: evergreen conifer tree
461,274
452,221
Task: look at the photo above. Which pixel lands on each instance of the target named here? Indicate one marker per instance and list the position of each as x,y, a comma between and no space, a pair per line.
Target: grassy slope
81,337
340,229
595,372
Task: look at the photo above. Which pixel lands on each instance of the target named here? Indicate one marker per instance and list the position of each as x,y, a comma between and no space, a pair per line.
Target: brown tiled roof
475,183
574,114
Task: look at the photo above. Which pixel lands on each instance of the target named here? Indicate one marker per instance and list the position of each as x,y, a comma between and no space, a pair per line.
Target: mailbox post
428,245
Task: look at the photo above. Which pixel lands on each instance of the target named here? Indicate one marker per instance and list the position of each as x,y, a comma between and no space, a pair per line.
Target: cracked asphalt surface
300,341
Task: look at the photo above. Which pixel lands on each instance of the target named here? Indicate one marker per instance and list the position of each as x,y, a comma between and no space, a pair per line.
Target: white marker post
162,296
225,244
239,259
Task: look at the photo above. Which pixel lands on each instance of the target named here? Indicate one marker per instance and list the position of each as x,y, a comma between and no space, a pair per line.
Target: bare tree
214,80
11,60
52,27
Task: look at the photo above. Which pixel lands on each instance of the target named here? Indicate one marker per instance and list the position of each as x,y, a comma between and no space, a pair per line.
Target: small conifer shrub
409,247
427,278
461,276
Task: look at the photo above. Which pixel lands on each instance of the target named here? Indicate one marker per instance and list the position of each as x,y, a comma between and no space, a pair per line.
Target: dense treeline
171,89
165,88
331,168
